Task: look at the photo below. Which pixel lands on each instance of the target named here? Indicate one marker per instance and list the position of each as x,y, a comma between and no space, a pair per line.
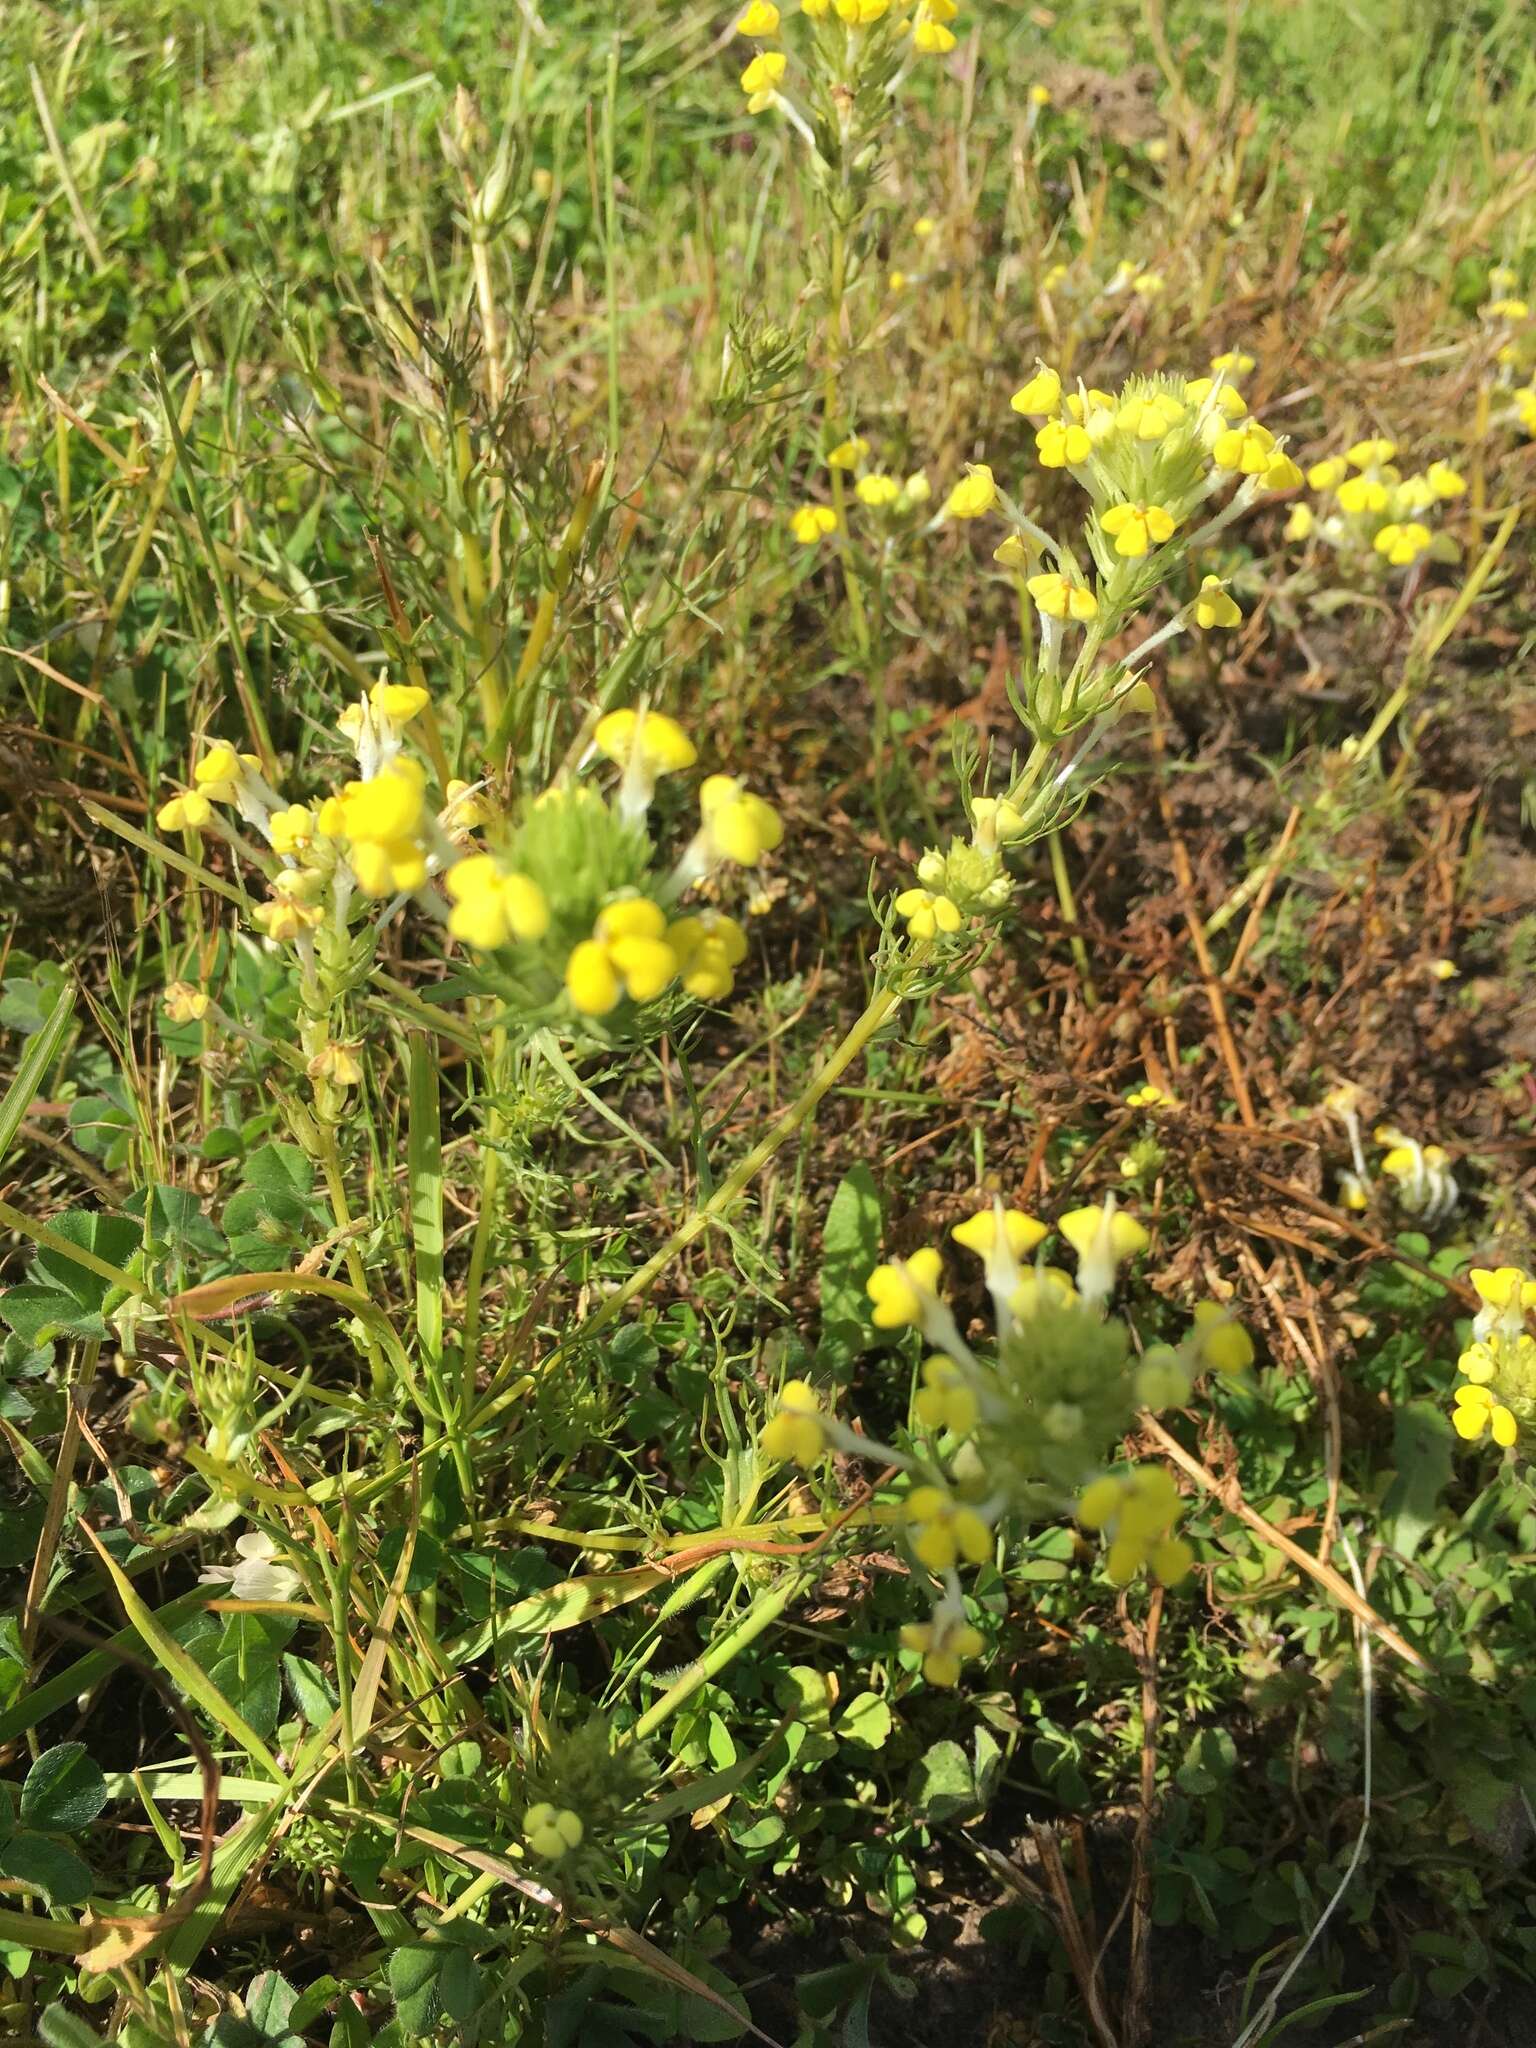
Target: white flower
256,1576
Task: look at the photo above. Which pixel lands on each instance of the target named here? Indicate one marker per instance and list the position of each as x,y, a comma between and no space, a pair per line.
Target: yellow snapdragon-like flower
761,79
1042,1287
931,34
811,523
709,948
1247,449
1364,494
1060,444
946,1399
995,822
1214,607
927,913
794,1433
1281,473
1370,454
490,907
1328,474
1221,1341
942,1532
741,826
1136,1510
291,829
860,13
848,454
657,742
943,1644
1060,598
389,705
185,1003
189,812
1103,1237
463,807
552,1832
286,917
1477,1410
979,1233
1149,418
974,495
379,820
627,954
899,1288
1226,397
337,1064
219,773
760,20
1506,1288
1300,524
1402,543
877,490
1136,529
1041,394
1234,362
1444,481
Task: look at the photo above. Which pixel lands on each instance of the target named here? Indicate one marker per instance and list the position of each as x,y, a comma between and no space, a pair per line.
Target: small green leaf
64,1790
867,1720
47,1867
1421,1449
58,2028
850,1250
942,1784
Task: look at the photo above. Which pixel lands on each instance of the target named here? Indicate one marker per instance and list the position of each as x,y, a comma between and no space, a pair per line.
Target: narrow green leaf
33,1068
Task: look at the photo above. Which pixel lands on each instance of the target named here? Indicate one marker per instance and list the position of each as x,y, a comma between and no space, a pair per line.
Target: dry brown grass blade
1333,1583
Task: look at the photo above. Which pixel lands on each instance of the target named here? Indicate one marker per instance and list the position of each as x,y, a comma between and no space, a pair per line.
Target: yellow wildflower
1213,606
627,954
1476,1410
1363,494
1329,474
942,1532
657,742
1402,544
975,494
848,454
1221,1341
927,914
1301,523
1135,529
552,1832
812,523
943,1644
946,1399
1041,394
1102,1236
741,827
794,1432
185,1004
1061,443
709,948
490,907
760,19
877,490
899,1288
979,1233
760,79
1059,598
1368,454
1247,449
291,830
188,812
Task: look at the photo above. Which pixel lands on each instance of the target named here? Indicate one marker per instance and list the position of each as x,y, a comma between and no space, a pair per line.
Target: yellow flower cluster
894,500
1136,1510
926,22
574,882
1497,1392
1372,509
994,1437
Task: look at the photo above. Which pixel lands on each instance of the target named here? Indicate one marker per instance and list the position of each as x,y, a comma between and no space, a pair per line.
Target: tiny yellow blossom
389,706
942,1532
1135,529
741,827
1221,1341
282,918
761,19
1041,394
1042,1286
1476,1410
1402,544
1444,970
927,914
657,742
995,822
463,807
1247,449
946,1399
219,773
975,494
761,77
185,1004
189,812
1039,95
1233,361
337,1064
552,1832
1214,607
1301,523
709,948
1102,1236
1366,454
1504,1287
860,13
1148,1096
491,907
1363,494
1060,444
812,523
898,1289
1060,598
1329,474
627,954
1225,396
1444,481
978,1233
291,829
916,490
877,490
848,454
1281,473
1507,309
1013,552
794,1433
944,1646
931,37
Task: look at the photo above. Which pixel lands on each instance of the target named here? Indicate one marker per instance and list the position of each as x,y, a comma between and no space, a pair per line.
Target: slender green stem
762,1614
1068,904
881,1005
